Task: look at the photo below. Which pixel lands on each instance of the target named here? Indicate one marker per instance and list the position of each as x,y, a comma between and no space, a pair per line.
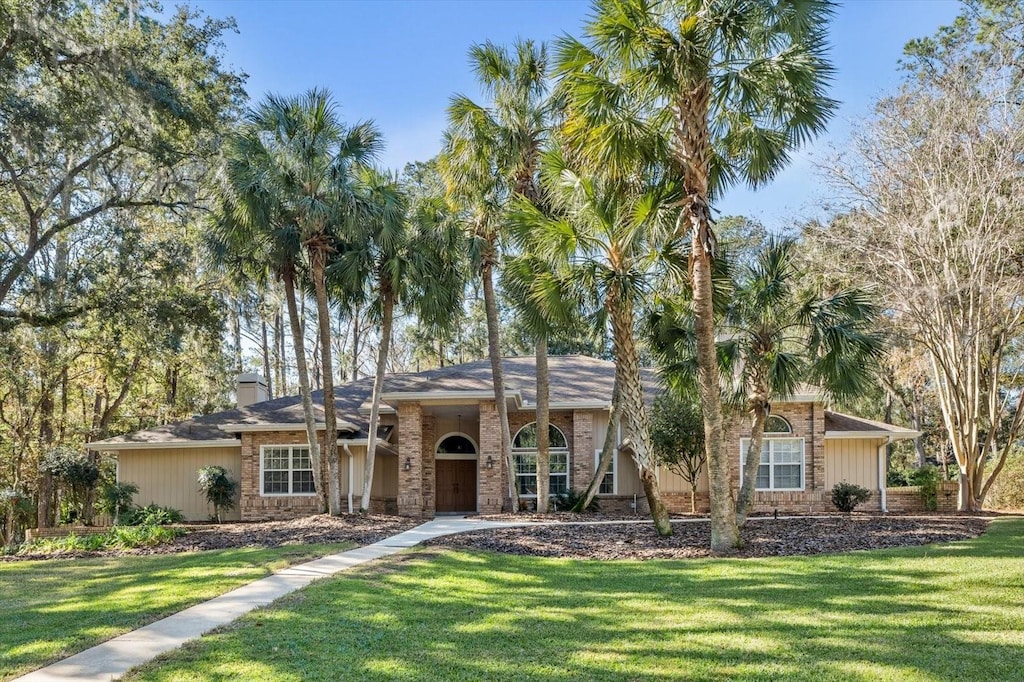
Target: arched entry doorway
455,466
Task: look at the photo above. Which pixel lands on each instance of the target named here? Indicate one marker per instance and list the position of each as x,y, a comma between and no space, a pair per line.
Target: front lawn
926,613
52,609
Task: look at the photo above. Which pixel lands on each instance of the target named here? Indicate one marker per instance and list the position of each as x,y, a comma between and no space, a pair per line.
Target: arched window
782,457
456,444
526,437
524,450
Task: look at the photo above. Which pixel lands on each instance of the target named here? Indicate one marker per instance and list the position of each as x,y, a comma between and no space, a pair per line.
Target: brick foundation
64,531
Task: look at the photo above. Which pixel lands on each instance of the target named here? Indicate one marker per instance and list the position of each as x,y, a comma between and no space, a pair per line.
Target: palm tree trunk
725,534
355,344
607,452
280,360
498,375
635,422
327,373
543,420
266,355
236,331
752,460
304,391
388,302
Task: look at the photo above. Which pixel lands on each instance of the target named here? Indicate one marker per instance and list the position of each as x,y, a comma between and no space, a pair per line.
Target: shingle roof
847,423
574,379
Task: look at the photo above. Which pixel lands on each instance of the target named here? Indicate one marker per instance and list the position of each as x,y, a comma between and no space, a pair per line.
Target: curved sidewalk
118,655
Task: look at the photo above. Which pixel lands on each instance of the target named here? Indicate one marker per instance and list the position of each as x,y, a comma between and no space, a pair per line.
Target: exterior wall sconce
407,466
490,462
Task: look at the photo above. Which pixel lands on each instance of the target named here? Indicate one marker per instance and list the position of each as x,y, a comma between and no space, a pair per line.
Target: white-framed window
608,482
782,463
286,470
524,451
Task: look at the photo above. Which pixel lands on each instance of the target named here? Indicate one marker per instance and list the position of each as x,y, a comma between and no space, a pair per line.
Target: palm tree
606,236
405,254
304,170
491,154
775,337
546,302
733,87
251,235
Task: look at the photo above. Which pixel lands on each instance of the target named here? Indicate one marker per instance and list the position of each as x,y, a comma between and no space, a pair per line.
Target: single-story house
439,447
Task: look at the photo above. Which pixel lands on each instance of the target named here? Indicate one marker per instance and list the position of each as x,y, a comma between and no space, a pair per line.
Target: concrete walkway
116,656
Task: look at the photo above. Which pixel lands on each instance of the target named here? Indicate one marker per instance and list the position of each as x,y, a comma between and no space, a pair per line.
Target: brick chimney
249,389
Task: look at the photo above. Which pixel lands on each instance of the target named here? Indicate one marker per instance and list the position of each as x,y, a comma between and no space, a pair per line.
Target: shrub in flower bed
117,538
154,515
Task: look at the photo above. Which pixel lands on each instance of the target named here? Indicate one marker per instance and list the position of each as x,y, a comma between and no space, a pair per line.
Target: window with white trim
286,470
524,452
782,463
608,482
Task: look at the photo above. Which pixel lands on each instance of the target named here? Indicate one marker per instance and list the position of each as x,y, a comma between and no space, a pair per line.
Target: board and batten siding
385,472
852,460
167,477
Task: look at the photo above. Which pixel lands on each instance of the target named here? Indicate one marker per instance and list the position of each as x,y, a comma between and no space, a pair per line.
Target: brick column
427,449
491,487
817,452
582,466
410,444
250,478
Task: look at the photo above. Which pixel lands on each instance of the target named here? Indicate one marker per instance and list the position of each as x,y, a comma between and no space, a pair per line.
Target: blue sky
398,61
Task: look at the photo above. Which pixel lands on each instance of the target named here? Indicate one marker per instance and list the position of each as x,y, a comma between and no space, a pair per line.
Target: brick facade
491,484
807,421
410,460
582,459
427,453
255,507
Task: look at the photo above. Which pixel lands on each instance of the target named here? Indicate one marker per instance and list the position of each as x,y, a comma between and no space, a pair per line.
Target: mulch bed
362,529
762,537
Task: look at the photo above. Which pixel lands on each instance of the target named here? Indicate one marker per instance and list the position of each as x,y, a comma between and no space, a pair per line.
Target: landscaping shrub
898,478
569,499
220,490
846,496
118,537
154,515
116,499
928,478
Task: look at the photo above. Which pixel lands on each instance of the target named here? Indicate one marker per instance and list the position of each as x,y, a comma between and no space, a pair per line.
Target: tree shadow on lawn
452,615
54,608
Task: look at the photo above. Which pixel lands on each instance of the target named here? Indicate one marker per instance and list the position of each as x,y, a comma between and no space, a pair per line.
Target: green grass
928,613
52,609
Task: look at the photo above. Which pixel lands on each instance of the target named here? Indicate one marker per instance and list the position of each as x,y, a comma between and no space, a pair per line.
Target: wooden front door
456,485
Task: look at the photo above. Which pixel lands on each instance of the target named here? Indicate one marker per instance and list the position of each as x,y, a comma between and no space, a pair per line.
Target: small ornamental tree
77,473
219,489
116,498
677,433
